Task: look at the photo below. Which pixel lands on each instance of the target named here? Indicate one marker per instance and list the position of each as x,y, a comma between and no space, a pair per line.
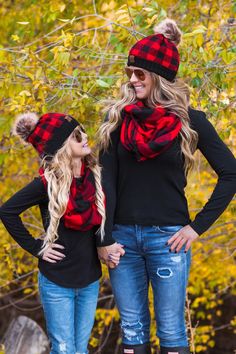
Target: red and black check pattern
51,131
81,212
148,132
157,54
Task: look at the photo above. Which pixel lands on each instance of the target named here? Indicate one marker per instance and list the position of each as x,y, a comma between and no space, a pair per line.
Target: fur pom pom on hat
46,133
170,30
24,124
158,53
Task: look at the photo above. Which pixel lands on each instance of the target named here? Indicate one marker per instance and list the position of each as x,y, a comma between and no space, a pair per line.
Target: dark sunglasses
77,133
140,74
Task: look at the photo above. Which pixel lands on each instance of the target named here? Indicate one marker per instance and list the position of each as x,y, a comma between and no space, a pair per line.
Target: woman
69,194
147,142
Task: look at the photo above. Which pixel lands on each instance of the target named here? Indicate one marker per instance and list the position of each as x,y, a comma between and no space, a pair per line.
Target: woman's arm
109,162
32,194
223,163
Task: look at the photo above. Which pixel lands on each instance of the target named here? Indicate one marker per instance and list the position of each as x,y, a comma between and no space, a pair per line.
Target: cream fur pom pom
25,124
170,30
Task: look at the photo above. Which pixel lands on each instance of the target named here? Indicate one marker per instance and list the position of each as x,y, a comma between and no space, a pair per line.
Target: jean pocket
167,229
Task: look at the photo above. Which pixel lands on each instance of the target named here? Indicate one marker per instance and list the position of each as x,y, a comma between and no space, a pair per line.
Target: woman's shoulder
198,119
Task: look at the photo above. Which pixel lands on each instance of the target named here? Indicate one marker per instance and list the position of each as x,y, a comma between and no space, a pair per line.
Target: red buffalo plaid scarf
148,132
81,212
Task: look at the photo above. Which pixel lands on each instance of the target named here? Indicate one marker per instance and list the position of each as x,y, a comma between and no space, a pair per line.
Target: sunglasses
140,74
77,133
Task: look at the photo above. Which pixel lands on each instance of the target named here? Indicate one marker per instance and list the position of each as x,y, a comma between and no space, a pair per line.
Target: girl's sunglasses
140,74
77,133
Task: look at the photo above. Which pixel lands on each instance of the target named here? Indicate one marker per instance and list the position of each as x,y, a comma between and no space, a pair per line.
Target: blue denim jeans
147,260
69,315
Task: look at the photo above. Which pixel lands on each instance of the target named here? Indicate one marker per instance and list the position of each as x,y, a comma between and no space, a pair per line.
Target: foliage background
67,56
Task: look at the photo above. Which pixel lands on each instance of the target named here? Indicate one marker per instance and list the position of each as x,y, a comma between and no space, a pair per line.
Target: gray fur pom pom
170,30
24,125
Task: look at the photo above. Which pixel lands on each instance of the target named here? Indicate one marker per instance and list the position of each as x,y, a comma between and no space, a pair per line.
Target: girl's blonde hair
58,173
174,96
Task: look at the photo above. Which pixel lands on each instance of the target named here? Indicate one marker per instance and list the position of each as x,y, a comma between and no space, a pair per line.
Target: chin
141,96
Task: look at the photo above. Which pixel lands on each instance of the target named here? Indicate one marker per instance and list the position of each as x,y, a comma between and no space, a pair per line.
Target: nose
133,78
84,135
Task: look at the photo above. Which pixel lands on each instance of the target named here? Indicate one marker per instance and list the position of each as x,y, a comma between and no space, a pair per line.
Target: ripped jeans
69,315
147,260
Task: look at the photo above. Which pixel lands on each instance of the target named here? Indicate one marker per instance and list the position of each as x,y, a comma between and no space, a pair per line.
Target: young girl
148,141
69,194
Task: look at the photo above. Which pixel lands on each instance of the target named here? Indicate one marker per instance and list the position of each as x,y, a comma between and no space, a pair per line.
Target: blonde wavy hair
58,173
174,96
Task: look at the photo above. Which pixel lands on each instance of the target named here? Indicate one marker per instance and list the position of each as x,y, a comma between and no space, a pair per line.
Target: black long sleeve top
80,267
151,192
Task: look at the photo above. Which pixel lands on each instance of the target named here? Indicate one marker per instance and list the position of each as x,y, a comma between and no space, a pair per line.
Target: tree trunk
25,336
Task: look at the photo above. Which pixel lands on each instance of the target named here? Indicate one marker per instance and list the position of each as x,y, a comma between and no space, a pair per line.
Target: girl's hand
51,255
114,251
114,258
184,237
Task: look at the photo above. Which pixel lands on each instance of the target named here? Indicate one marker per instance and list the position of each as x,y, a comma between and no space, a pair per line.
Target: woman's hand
183,237
110,255
51,255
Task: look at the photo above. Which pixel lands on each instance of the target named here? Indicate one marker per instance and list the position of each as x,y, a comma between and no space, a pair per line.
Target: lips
140,87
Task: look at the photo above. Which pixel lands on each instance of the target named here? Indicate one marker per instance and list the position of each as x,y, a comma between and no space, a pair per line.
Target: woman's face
141,81
78,141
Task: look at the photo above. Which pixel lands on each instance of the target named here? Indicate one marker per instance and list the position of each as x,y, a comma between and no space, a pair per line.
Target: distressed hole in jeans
164,272
62,347
133,330
176,259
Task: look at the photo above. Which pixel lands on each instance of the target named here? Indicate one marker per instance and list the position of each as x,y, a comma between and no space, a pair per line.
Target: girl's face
141,81
78,141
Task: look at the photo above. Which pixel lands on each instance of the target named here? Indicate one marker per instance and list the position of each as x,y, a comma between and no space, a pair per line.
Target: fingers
51,255
111,265
48,260
185,236
114,257
188,245
120,249
56,245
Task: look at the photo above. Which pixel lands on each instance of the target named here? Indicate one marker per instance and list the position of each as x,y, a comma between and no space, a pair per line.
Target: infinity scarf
81,212
148,132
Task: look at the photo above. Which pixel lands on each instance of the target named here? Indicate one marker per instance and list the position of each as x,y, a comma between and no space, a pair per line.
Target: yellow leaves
148,9
199,39
199,29
150,21
227,56
58,6
67,20
23,23
15,38
25,93
68,39
108,6
122,15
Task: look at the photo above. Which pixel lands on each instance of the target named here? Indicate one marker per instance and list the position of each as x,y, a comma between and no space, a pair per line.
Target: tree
68,57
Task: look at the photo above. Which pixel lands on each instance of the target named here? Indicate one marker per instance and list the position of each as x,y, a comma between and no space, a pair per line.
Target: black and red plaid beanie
158,53
48,133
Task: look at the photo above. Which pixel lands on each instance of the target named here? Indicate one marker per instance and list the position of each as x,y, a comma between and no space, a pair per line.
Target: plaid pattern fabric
157,54
51,131
81,212
148,132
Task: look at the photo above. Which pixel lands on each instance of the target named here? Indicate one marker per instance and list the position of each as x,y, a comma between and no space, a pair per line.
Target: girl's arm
32,194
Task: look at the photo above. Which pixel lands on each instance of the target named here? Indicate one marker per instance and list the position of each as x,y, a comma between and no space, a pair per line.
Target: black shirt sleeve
32,194
109,162
223,163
